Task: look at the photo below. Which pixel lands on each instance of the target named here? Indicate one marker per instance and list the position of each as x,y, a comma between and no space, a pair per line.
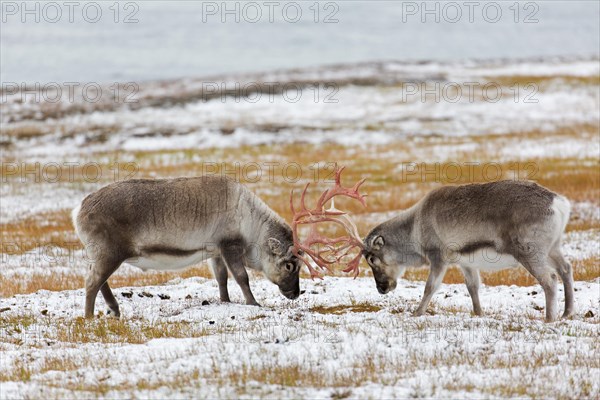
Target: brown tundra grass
9,286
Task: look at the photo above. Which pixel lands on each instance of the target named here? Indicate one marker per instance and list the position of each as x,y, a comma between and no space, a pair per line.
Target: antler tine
330,193
302,203
323,199
313,272
339,190
351,229
358,184
353,265
338,175
361,197
292,204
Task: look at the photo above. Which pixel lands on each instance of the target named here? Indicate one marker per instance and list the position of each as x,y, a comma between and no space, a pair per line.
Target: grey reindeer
489,226
169,224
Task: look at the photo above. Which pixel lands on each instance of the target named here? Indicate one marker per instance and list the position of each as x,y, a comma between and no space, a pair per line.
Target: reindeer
169,224
488,226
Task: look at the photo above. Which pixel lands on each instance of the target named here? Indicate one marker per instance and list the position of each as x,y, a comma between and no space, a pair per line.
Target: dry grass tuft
342,309
10,286
110,330
52,230
583,270
543,81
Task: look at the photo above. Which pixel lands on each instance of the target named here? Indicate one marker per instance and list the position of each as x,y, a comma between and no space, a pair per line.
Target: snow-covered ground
340,338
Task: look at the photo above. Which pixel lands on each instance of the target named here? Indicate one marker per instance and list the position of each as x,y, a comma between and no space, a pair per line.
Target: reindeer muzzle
385,286
291,294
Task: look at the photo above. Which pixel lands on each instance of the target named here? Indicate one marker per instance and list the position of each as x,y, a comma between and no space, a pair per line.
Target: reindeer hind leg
565,271
547,278
220,271
472,281
96,280
111,301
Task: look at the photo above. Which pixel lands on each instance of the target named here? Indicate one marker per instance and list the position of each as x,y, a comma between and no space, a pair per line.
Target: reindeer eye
371,260
290,266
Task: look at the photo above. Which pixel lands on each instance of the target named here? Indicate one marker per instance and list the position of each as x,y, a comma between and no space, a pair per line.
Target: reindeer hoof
113,314
568,315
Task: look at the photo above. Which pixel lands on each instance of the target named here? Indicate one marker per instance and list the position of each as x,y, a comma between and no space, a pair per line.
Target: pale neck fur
402,219
255,230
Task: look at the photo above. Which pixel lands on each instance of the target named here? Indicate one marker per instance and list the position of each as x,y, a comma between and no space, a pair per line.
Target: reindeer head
283,267
329,250
388,251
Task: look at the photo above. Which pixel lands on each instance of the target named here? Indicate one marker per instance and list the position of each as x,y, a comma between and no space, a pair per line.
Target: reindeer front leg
434,280
232,253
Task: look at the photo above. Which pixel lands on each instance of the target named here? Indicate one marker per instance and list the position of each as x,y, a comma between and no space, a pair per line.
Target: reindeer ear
275,246
378,243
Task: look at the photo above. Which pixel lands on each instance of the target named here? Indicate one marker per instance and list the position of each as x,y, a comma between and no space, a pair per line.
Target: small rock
127,294
146,294
164,296
205,302
211,322
44,312
302,291
233,317
314,292
589,314
225,131
533,293
537,308
188,297
4,309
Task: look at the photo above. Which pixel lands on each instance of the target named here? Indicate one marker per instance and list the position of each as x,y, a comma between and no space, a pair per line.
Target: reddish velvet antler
335,248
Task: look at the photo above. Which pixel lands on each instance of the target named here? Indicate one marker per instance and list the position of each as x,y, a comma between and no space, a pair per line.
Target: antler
335,248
